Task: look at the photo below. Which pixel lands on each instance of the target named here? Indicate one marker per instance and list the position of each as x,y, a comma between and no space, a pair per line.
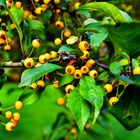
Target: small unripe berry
113,100
18,105
40,84
69,88
108,88
56,1
70,69
9,126
8,114
16,116
29,62
60,101
36,43
57,41
77,74
93,73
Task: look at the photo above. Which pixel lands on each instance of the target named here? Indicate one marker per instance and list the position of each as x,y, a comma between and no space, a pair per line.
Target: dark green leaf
66,79
115,68
126,39
92,93
127,109
79,107
106,8
103,76
36,25
32,99
31,75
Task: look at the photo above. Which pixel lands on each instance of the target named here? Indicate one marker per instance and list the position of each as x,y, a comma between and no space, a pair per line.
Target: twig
11,64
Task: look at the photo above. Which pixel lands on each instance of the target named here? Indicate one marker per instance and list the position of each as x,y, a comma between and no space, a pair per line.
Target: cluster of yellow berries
18,4
39,84
13,117
5,42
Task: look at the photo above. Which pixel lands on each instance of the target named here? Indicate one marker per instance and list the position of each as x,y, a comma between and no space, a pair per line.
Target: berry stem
2,122
7,108
33,4
31,52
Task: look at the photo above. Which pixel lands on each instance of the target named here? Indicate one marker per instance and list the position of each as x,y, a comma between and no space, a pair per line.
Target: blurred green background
38,117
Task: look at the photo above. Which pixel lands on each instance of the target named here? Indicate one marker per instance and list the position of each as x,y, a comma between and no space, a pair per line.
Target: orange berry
77,74
60,101
18,4
67,33
84,69
15,123
90,63
55,84
16,116
108,88
70,69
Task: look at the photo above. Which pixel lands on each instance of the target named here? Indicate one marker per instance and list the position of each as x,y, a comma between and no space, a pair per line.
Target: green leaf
18,13
126,39
66,79
92,93
66,48
127,109
32,99
133,80
108,9
36,25
116,68
79,107
14,20
103,76
31,75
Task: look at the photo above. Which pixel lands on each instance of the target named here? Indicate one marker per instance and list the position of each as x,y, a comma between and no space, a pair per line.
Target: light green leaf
66,79
116,68
108,9
79,107
92,93
31,75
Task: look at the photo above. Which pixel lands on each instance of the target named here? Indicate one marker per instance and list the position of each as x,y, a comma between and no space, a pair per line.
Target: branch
11,64
102,65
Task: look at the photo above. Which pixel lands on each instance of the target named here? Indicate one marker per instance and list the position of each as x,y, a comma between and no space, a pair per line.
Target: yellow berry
59,23
12,26
84,69
18,4
56,1
93,73
77,74
39,10
57,41
85,55
108,88
7,48
70,69
26,14
29,62
9,3
90,63
113,100
136,70
16,116
36,0
42,59
53,54
15,123
18,105
2,41
73,131
83,45
60,101
9,126
36,43
77,5
55,84
69,88
47,55
2,34
33,86
40,84
8,114
46,1
67,33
